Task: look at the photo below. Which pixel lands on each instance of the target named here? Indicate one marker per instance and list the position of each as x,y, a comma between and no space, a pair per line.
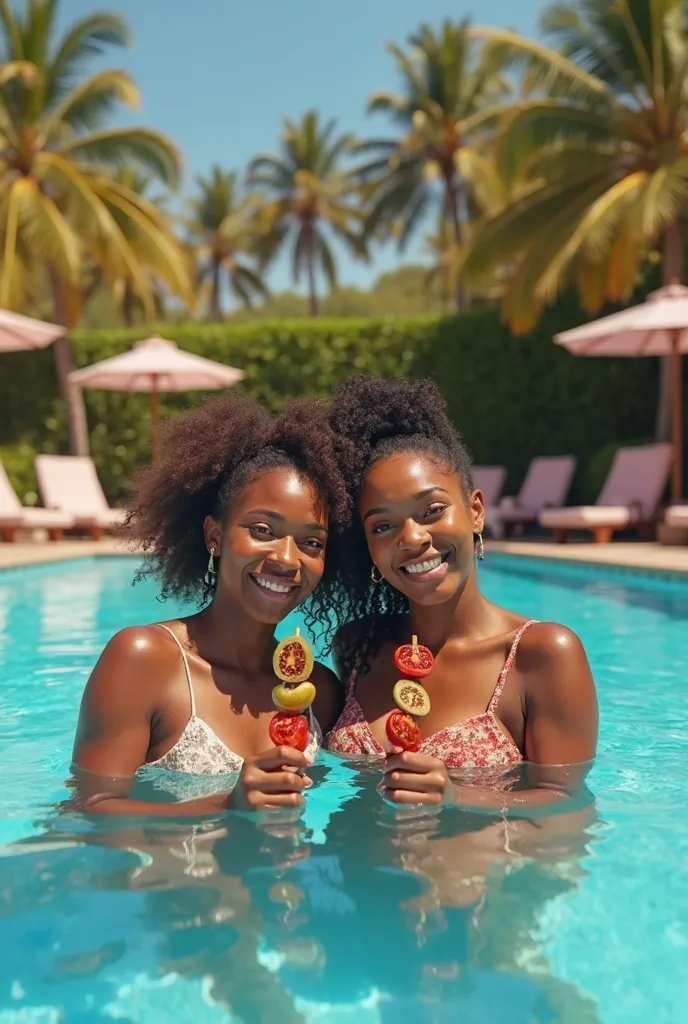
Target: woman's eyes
436,509
260,530
263,532
433,511
382,528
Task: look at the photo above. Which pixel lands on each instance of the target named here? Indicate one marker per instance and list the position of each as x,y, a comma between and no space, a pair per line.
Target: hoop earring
376,579
210,577
479,548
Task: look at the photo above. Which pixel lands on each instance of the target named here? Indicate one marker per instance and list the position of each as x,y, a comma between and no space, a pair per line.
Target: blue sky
219,75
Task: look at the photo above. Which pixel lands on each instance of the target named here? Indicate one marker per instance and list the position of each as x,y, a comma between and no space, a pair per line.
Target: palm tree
450,99
60,202
448,267
603,131
162,275
310,190
223,233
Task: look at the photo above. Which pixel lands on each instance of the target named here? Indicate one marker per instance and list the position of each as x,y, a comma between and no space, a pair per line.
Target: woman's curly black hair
376,418
208,455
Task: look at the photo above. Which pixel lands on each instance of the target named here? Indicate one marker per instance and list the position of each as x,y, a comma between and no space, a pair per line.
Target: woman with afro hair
237,517
504,689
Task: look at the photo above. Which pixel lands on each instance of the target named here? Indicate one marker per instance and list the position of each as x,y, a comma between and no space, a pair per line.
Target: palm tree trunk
128,304
77,424
673,271
215,308
310,265
452,205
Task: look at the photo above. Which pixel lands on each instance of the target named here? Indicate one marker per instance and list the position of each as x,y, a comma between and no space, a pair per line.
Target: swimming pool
355,913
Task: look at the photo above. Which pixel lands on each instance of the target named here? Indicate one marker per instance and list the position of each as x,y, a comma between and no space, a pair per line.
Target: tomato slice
414,660
289,730
402,731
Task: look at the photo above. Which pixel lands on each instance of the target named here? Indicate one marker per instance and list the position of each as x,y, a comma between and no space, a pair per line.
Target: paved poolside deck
657,557
635,555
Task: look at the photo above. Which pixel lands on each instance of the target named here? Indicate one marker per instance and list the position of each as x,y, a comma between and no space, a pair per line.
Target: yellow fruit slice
411,698
294,697
293,659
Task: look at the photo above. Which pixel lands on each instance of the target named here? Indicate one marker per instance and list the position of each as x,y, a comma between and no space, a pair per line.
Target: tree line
543,166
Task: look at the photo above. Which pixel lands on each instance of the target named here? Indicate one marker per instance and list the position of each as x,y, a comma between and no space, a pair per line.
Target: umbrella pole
154,412
677,426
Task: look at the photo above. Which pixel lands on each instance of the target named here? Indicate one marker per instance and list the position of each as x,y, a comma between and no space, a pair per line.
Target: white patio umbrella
19,333
157,365
657,327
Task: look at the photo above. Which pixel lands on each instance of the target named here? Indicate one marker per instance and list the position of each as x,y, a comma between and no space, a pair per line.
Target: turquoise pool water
353,913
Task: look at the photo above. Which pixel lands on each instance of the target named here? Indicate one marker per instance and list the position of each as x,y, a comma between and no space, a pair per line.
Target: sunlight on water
356,911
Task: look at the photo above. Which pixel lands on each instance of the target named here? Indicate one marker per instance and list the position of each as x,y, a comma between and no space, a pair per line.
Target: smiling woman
500,688
238,516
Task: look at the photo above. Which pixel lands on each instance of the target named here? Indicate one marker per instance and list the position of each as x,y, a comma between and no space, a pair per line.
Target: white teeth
270,585
426,566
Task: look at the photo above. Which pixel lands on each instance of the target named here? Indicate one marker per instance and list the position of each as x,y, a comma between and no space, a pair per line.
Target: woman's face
272,547
419,527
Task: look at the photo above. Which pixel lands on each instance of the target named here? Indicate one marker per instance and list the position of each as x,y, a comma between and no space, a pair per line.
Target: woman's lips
420,570
277,588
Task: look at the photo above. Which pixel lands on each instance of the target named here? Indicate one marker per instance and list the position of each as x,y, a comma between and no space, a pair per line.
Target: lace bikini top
199,751
478,742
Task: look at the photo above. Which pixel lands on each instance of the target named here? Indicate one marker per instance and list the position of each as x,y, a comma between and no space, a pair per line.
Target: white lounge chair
490,480
676,516
546,485
630,496
14,516
70,483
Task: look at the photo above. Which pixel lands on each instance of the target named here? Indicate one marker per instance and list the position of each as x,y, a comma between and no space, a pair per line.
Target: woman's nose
413,534
285,553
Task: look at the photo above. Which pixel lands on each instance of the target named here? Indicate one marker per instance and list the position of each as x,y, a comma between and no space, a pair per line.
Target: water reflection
406,914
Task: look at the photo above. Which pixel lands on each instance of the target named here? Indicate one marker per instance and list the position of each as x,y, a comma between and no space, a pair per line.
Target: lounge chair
490,480
70,483
630,496
546,485
14,516
676,516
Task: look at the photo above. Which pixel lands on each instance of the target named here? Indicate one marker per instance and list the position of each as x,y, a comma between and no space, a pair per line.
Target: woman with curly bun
237,517
503,689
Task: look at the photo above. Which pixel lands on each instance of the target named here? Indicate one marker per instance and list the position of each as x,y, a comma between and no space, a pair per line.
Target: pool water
354,912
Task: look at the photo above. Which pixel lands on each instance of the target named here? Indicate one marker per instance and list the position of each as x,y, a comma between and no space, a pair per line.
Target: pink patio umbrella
19,333
658,327
155,366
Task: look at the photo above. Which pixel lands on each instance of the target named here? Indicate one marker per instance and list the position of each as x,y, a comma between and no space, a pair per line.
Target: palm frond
89,102
119,147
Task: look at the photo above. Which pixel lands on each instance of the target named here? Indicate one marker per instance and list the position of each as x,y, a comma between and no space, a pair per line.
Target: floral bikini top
478,742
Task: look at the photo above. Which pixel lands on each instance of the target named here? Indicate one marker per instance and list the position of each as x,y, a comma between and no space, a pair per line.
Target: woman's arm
122,698
561,725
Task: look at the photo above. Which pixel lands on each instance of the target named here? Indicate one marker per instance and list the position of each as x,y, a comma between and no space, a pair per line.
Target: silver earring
479,548
210,577
376,579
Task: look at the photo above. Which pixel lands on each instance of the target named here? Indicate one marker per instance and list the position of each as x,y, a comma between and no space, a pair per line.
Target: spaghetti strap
187,669
499,688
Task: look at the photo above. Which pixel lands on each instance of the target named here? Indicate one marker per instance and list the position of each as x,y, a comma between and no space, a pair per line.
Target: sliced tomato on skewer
289,731
402,731
414,660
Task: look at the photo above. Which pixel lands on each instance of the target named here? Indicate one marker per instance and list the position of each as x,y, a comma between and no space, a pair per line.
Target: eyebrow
416,497
271,514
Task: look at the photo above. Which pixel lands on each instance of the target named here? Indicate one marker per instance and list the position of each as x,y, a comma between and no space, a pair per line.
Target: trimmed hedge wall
511,398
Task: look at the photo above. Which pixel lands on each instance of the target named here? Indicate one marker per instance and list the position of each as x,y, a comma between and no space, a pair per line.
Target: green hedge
511,398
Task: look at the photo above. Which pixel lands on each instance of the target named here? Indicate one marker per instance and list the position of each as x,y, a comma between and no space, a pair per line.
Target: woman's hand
415,779
272,779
